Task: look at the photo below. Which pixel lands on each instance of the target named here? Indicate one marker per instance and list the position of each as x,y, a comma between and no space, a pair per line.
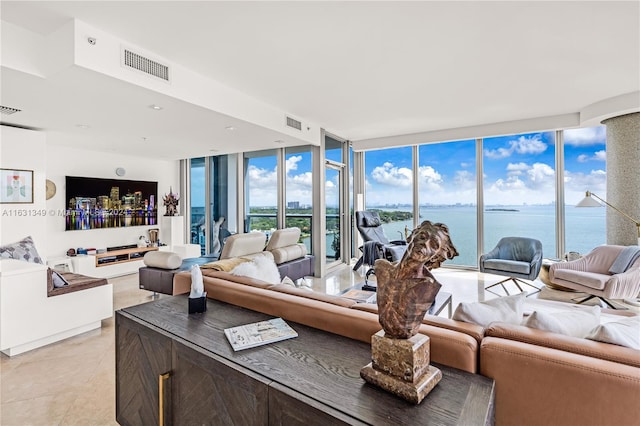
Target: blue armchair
518,258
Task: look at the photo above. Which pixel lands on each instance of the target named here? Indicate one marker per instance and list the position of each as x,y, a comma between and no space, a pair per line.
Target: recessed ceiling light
156,107
279,141
214,150
230,128
83,126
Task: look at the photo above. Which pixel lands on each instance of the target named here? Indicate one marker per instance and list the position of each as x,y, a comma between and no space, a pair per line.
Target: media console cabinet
111,263
175,368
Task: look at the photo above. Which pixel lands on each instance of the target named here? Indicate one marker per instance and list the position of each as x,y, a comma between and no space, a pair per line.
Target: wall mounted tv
94,203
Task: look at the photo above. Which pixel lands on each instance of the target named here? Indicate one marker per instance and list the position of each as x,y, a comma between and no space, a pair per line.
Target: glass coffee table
443,300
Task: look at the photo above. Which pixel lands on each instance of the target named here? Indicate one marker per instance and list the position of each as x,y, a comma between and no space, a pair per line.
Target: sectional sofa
542,378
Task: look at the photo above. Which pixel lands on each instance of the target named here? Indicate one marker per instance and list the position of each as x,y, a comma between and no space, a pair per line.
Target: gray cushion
24,250
507,265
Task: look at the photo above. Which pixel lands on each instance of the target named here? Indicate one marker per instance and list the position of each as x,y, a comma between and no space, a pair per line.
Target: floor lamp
589,201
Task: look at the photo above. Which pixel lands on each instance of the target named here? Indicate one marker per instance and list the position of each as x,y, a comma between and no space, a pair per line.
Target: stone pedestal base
401,366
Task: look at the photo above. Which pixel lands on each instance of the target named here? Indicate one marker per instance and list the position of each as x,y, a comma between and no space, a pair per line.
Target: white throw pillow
261,268
574,322
288,281
624,332
505,309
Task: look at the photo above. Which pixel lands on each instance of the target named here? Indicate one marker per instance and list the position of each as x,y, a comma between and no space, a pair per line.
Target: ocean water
584,227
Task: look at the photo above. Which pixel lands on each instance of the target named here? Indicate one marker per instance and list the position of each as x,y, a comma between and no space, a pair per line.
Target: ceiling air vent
146,65
8,110
294,124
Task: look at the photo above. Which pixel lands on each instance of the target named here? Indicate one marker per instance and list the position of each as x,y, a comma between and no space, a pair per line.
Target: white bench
29,318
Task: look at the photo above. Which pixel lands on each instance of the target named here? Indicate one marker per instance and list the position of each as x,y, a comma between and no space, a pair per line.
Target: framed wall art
16,186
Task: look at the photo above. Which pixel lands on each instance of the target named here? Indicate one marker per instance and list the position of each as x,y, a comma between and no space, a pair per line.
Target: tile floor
72,382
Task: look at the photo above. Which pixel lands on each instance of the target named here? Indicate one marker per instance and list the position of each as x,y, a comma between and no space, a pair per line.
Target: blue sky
517,170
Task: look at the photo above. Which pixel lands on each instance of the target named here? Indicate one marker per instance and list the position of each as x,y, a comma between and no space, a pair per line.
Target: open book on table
259,333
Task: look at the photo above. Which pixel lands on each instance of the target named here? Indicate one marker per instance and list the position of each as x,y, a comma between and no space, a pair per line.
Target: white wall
25,149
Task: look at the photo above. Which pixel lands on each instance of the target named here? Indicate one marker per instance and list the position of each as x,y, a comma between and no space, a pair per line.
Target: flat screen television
95,203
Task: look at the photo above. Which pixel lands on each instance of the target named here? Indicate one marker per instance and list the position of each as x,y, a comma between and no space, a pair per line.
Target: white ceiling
360,70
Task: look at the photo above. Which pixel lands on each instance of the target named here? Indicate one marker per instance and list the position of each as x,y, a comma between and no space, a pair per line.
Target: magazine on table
259,333
360,296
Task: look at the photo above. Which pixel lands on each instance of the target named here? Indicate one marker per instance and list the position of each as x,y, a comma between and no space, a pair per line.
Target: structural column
623,177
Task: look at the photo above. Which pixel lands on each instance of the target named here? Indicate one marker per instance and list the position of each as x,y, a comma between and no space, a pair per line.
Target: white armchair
590,274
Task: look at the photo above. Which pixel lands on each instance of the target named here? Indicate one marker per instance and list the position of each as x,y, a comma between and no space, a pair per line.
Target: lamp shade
588,201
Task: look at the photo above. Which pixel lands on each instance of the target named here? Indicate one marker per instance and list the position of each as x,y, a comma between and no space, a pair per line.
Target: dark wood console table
312,379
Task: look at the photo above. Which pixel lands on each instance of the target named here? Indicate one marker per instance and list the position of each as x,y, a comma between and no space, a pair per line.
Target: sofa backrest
284,245
604,351
283,237
238,245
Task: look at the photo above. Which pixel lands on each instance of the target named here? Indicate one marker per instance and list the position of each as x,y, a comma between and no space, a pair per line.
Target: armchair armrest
623,285
493,254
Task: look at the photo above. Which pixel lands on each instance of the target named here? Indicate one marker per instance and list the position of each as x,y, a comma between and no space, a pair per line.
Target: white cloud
388,174
597,156
541,176
292,162
497,154
600,155
517,169
522,145
531,145
262,186
464,179
586,136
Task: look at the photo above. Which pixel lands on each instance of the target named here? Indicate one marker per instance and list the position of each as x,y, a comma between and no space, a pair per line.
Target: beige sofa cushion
283,237
162,259
284,245
285,254
239,245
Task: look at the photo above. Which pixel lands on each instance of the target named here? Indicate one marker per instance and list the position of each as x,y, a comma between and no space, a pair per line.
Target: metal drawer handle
161,381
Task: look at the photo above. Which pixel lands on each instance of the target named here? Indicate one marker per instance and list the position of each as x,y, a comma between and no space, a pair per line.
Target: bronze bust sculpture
407,289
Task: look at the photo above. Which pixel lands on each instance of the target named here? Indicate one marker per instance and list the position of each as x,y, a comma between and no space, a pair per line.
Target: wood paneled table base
313,379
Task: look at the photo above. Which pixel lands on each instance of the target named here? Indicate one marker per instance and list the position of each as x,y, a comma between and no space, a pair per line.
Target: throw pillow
58,280
505,309
288,281
24,250
575,322
624,332
261,268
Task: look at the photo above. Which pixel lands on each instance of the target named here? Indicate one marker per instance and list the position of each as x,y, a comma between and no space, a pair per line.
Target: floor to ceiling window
261,190
585,170
197,180
447,193
299,192
519,189
389,189
334,198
